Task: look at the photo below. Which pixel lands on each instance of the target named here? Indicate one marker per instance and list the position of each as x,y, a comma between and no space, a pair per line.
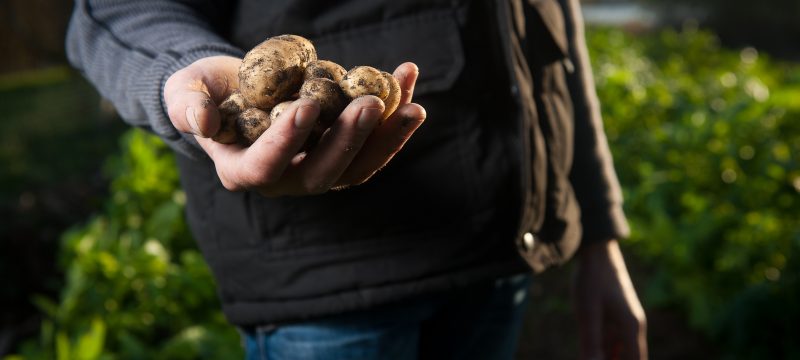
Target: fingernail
368,117
414,71
305,117
191,118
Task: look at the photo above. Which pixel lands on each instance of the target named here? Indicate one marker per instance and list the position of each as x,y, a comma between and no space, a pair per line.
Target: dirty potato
324,69
251,123
284,68
273,71
277,110
392,100
364,80
229,110
332,100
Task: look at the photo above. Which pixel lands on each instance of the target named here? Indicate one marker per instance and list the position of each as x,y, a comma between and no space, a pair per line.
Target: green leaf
63,347
90,344
47,306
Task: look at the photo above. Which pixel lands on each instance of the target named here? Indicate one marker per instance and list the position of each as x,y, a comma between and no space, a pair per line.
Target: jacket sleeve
128,49
593,176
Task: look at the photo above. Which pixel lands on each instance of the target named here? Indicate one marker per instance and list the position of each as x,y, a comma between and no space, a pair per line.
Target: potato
273,71
277,110
392,101
285,68
229,110
324,69
251,123
307,51
332,100
364,80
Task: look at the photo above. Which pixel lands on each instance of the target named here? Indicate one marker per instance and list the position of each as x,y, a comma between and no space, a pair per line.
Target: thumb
191,95
190,107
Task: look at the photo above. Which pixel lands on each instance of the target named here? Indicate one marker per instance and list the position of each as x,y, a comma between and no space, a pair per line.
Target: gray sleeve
593,176
128,49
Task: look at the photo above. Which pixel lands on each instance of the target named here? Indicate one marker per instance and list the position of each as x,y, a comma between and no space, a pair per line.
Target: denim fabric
480,323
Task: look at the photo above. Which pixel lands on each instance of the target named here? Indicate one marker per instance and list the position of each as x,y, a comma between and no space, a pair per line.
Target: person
356,249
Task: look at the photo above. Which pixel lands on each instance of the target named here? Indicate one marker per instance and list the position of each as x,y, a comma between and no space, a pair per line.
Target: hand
611,320
349,153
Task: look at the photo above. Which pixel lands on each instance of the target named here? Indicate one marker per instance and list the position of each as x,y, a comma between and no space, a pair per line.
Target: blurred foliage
54,137
706,142
136,287
46,113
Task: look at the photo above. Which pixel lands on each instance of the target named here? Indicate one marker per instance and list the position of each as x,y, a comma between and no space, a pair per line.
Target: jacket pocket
431,40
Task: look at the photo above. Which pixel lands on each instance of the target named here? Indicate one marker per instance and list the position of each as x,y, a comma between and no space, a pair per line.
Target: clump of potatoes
284,68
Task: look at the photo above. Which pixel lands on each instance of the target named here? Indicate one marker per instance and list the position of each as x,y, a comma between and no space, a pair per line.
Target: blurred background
702,110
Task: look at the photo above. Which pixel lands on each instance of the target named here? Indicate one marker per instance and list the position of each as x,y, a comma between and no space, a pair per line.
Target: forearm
129,49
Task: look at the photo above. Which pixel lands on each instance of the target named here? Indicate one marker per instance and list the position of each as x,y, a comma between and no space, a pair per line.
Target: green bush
136,286
706,142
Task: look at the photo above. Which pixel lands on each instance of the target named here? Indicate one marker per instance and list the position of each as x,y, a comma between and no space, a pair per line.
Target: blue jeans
480,323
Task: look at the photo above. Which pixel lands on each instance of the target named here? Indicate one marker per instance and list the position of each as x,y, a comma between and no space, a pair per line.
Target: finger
641,342
262,164
383,144
407,74
220,75
265,161
191,109
323,166
628,314
192,94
